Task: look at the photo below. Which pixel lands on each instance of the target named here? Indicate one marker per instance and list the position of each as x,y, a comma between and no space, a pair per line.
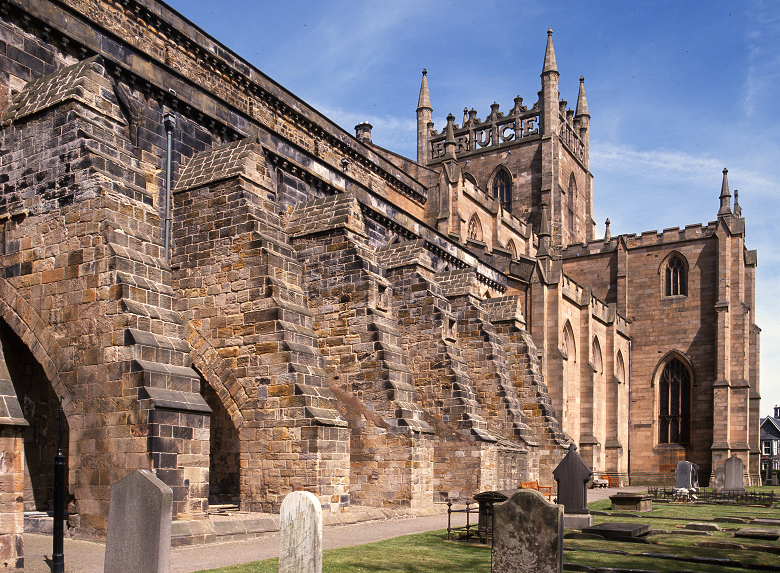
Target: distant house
770,442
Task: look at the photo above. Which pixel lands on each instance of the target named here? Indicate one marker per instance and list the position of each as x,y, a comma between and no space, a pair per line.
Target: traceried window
475,228
572,192
676,280
674,413
502,188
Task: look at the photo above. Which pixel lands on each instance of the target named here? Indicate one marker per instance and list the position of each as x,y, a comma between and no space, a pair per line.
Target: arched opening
475,228
572,191
597,359
40,408
502,188
674,385
511,248
225,451
675,275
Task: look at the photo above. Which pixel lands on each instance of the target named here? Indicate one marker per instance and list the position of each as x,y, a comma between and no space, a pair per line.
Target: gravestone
138,539
719,479
687,475
527,535
572,475
735,471
300,533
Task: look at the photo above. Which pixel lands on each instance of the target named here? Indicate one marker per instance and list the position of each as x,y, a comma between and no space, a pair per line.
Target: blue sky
676,91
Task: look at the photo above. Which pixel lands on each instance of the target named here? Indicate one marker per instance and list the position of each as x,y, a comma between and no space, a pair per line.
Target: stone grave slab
138,539
765,521
628,501
527,534
300,533
619,531
758,533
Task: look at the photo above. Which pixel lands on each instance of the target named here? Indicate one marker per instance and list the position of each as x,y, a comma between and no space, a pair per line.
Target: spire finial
607,233
449,141
550,65
737,208
582,101
425,100
725,196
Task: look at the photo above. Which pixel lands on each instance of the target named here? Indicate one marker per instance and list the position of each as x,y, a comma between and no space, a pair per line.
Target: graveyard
711,547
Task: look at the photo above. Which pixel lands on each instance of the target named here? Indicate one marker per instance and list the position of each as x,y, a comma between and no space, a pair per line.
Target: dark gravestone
687,475
486,501
612,530
527,535
572,475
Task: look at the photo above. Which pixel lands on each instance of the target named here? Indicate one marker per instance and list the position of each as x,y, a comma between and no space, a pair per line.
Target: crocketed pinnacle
582,101
425,100
725,196
550,65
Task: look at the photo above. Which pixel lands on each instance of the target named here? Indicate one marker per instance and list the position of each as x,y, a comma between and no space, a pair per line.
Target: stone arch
475,228
217,373
470,178
673,274
510,246
39,338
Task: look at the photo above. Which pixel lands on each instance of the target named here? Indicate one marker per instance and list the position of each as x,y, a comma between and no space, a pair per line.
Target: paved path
87,556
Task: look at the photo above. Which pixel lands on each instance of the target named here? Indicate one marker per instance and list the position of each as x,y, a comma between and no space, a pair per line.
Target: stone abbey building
216,282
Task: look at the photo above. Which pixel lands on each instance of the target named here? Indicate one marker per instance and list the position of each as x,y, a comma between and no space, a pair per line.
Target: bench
543,489
611,481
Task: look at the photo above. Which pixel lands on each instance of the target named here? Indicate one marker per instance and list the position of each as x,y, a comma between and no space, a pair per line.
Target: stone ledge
203,532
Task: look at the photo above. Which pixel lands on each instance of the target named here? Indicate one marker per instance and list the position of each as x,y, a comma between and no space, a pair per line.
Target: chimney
777,411
363,132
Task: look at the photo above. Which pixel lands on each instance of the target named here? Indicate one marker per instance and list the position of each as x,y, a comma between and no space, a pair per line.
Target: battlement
646,239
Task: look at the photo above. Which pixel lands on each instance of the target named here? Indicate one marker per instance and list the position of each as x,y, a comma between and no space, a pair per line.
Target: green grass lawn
432,553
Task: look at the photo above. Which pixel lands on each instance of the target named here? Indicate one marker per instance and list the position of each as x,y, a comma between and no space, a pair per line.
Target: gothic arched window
572,192
475,228
674,411
676,282
502,188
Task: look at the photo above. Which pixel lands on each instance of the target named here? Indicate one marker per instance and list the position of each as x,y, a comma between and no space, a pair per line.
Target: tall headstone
572,475
527,535
735,471
139,525
687,475
300,534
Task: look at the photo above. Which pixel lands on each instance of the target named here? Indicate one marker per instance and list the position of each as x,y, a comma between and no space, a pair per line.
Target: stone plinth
626,501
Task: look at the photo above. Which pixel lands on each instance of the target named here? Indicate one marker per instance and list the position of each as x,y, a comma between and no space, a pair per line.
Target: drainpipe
169,121
628,464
